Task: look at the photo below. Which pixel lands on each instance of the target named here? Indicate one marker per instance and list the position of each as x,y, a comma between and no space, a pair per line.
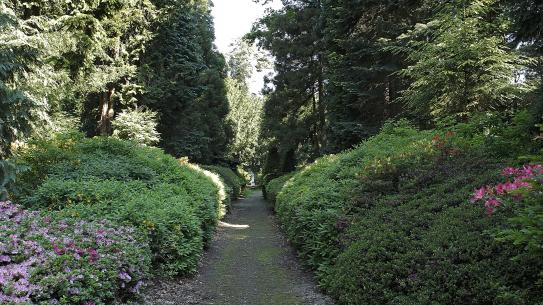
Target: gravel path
249,263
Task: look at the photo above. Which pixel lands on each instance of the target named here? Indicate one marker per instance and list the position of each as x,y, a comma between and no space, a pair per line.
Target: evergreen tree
461,62
18,110
92,48
183,76
294,111
362,80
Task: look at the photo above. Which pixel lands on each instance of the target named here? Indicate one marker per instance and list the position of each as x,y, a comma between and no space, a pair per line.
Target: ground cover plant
45,260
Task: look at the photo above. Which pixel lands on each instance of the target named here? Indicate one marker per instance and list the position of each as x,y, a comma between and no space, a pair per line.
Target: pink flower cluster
43,260
520,178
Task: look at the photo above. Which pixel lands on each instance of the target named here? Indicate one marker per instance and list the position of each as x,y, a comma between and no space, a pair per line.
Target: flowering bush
385,223
175,205
49,261
522,180
523,193
138,125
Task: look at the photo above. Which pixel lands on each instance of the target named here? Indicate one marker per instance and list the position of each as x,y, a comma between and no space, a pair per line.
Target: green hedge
273,187
230,178
390,223
175,204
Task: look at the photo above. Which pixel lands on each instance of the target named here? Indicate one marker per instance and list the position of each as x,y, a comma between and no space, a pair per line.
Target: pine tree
18,110
361,71
461,62
294,110
183,75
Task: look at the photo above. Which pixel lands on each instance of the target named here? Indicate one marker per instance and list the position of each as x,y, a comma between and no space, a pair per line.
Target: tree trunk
106,112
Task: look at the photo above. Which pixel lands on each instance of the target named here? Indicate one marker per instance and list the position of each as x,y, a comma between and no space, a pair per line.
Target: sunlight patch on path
223,224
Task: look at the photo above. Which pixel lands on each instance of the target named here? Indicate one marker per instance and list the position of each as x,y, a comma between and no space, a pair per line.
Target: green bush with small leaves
230,178
175,204
272,188
389,222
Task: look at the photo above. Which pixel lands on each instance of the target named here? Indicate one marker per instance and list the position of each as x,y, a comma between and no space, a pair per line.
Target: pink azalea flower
509,171
492,202
478,194
501,188
58,250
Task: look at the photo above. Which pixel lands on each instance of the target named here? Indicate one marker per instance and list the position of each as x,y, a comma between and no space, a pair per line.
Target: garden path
249,263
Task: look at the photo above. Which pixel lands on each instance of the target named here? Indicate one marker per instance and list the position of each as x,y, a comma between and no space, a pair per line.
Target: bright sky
233,19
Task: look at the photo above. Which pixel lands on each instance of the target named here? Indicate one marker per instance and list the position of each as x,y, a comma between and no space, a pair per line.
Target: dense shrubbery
520,195
176,205
230,178
44,260
137,125
272,188
7,178
389,223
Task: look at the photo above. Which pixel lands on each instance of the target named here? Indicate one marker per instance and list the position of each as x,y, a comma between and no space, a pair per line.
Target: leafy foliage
245,117
7,178
53,261
176,206
294,109
230,178
183,75
520,194
461,62
136,125
385,223
346,67
18,110
274,187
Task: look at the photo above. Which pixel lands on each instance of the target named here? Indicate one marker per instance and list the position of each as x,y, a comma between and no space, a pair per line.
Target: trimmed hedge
230,178
390,223
272,188
176,205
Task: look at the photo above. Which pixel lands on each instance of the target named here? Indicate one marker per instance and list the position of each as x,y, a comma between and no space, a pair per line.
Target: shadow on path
249,263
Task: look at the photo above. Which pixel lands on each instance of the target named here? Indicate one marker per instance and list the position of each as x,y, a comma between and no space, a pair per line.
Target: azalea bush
314,202
44,260
387,223
176,205
522,194
230,178
274,187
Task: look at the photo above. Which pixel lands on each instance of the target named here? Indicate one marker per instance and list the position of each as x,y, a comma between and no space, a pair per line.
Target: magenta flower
478,194
509,171
521,179
58,250
93,255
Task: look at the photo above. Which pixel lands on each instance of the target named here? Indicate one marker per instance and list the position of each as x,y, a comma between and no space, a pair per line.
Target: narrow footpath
249,263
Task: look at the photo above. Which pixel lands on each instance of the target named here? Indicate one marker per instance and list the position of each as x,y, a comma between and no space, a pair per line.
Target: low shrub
44,260
314,202
420,242
273,187
230,178
174,203
224,191
389,223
